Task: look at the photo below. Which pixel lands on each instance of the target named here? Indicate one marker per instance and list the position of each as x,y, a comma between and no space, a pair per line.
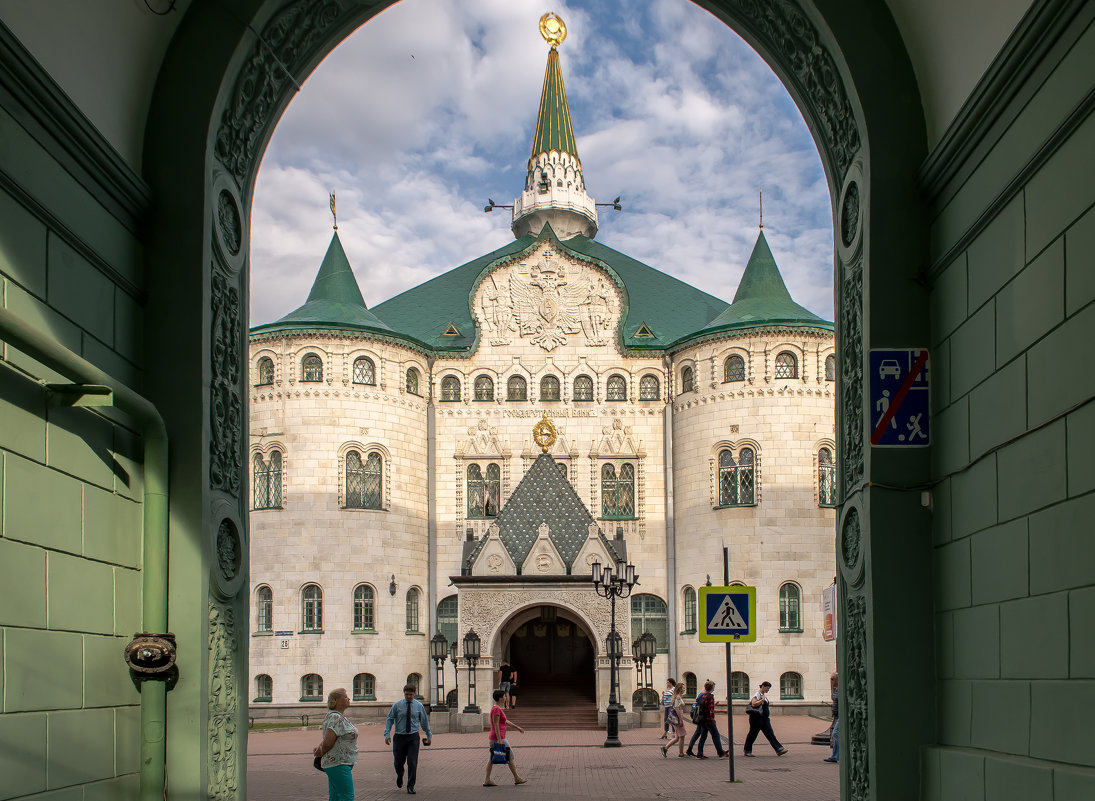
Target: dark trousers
405,750
702,730
757,725
665,719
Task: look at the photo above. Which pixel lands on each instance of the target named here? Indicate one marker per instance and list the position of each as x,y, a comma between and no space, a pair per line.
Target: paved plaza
558,765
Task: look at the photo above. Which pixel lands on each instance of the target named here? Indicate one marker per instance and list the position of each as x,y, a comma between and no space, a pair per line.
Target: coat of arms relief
548,299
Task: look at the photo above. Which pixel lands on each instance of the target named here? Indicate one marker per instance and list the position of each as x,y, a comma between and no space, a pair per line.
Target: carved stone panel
224,699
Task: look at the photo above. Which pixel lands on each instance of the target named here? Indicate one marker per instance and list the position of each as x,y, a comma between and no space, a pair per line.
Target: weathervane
553,29
762,209
543,433
334,214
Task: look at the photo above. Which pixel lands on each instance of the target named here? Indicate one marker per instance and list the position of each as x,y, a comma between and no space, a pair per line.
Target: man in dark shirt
508,679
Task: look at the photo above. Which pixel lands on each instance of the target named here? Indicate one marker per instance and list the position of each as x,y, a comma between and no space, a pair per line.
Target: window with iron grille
516,388
266,371
483,493
618,492
364,481
733,369
364,608
412,610
830,368
484,388
649,613
790,686
447,617
364,687
311,368
687,381
826,478
364,370
311,599
739,685
786,365
649,388
616,388
311,687
266,481
549,388
412,381
583,388
450,388
264,688
790,608
689,610
690,685
264,609
737,479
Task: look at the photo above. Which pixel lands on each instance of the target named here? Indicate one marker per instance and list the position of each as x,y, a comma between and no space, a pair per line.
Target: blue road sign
900,397
729,614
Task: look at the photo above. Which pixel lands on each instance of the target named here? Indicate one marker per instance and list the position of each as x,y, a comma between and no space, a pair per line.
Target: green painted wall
1013,318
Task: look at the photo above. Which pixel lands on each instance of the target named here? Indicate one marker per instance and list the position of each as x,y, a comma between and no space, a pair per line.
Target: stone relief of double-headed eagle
546,307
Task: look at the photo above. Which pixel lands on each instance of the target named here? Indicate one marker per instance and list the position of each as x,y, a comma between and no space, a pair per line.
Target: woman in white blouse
338,748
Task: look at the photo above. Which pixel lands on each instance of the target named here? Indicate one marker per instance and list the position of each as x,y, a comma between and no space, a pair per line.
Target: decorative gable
544,558
618,442
493,558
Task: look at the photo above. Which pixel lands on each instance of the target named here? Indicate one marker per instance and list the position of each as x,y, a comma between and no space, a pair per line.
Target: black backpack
697,709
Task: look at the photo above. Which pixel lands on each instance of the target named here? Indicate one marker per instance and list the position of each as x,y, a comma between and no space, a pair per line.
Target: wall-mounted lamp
392,586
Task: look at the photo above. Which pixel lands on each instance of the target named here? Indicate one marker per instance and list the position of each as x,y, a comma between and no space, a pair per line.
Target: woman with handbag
675,717
337,751
760,721
500,751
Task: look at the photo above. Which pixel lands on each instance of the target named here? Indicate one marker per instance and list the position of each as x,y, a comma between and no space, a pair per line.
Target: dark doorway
554,661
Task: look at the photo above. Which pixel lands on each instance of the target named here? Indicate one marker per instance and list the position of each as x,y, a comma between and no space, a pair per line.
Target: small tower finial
761,209
553,29
334,214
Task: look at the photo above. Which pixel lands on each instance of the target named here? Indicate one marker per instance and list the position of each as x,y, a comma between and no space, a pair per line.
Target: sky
429,109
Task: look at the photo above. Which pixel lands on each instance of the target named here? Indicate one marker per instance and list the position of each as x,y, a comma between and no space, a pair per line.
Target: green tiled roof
762,298
553,128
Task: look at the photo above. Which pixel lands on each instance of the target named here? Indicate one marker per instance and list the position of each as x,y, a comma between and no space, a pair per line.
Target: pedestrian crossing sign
728,614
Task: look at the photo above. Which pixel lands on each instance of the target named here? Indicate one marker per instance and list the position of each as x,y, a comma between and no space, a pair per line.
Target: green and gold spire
553,127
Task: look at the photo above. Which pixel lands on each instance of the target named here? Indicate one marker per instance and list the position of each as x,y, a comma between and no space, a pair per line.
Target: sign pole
729,670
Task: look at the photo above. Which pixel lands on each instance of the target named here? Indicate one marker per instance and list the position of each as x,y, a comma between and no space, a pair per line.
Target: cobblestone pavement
558,765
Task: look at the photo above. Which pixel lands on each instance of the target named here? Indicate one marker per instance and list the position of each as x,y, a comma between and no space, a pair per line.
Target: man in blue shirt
407,716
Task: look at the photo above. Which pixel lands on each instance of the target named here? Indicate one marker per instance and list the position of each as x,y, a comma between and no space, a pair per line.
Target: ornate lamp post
612,585
454,648
471,654
637,658
439,649
648,649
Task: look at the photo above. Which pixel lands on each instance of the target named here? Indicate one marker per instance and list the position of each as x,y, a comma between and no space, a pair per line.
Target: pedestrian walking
760,721
337,749
408,716
667,704
706,724
675,716
507,678
834,734
497,741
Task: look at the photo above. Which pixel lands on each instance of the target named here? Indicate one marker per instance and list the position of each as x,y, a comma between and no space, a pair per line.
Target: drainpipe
151,655
670,525
431,510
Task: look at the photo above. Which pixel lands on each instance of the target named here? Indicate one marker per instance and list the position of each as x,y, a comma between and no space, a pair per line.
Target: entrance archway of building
570,660
225,80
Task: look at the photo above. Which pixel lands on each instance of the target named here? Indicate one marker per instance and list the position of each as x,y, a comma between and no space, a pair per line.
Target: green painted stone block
944,644
1073,785
1031,472
961,776
955,704
129,328
81,443
67,794
23,410
127,728
1081,623
41,505
79,291
973,500
106,675
973,351
38,315
1062,189
1000,561
111,362
124,788
948,300
977,643
941,376
1056,380
951,436
1034,637
1000,719
22,246
1080,426
81,594
42,670
1060,721
1079,256
127,601
929,774
1062,550
997,254
952,572
129,458
23,578
1032,304
81,747
1011,780
22,755
998,408
112,527
942,506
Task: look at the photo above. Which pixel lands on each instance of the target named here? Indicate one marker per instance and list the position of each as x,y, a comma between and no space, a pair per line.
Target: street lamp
439,649
648,649
471,654
613,584
637,658
454,648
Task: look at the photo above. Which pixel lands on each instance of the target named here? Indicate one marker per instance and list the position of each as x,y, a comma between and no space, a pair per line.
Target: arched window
412,381
790,686
830,368
786,365
364,608
484,388
266,481
563,469
266,371
483,493
733,369
311,368
447,617
737,479
583,388
649,388
311,609
264,689
415,680
516,388
450,388
688,382
648,613
690,685
549,388
689,610
739,685
412,610
364,481
826,478
311,687
364,687
264,609
616,388
364,370
618,492
790,608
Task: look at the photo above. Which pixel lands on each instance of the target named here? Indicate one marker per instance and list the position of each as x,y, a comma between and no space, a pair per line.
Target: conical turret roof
554,130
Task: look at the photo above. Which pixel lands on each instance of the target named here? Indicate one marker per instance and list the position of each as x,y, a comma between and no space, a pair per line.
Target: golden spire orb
553,29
